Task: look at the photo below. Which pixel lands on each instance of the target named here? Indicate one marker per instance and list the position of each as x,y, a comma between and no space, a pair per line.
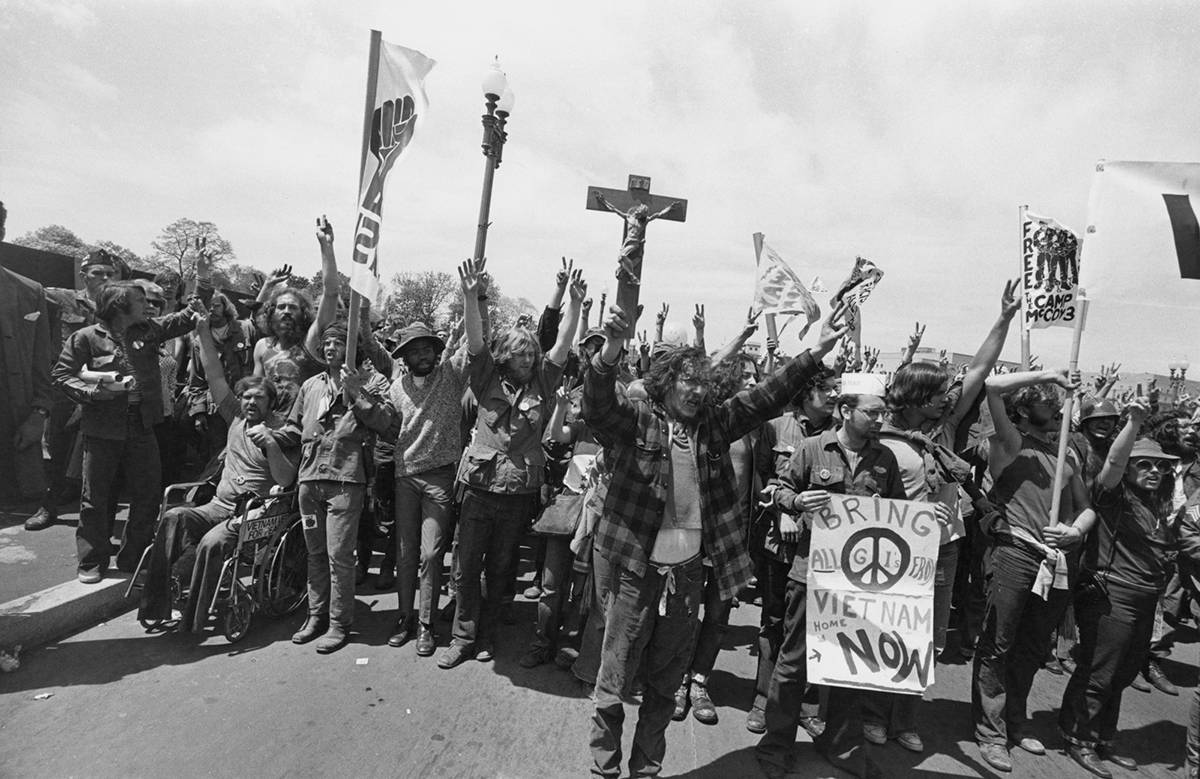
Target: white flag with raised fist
400,102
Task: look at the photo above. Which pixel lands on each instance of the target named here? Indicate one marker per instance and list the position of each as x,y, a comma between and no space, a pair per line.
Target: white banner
778,290
1049,273
870,594
399,100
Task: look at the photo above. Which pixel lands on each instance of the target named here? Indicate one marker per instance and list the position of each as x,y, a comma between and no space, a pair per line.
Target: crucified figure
636,218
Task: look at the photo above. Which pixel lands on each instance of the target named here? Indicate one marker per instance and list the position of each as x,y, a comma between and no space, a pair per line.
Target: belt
695,561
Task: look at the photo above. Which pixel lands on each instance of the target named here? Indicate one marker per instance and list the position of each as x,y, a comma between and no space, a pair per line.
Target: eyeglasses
1162,466
872,413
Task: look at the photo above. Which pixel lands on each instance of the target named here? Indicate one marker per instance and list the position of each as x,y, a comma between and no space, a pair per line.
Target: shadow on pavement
111,660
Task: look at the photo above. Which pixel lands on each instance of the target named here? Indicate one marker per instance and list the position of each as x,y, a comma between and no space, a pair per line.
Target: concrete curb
62,610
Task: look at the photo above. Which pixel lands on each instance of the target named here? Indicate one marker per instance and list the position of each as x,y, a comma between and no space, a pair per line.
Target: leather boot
313,626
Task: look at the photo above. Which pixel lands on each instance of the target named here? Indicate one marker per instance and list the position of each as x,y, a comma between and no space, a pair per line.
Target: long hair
671,365
1026,397
268,311
727,377
915,384
511,341
116,298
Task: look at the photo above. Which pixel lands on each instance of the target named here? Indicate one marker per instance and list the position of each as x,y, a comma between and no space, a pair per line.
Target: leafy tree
55,238
420,296
316,286
131,257
176,245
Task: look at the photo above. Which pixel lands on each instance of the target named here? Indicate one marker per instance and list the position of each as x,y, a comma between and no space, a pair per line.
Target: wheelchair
267,570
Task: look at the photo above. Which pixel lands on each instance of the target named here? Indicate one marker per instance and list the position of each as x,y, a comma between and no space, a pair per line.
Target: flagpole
1064,430
368,113
772,331
1025,350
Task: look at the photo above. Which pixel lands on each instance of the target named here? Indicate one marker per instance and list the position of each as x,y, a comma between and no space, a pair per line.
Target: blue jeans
489,528
651,627
423,516
1012,644
330,512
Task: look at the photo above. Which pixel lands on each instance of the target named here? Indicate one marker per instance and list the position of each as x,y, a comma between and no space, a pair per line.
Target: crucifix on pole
637,207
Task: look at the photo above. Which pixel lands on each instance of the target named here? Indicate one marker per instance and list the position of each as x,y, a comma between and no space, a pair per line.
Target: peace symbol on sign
874,573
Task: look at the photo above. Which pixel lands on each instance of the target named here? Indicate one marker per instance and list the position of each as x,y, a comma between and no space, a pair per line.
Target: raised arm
607,412
278,276
561,279
1118,454
733,347
210,361
698,324
562,347
327,308
660,320
469,273
1006,441
556,429
602,201
984,360
658,214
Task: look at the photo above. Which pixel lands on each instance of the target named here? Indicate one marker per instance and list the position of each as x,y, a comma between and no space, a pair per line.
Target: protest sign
870,594
1049,273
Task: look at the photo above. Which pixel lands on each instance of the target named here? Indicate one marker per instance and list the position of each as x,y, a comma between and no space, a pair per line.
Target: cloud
83,81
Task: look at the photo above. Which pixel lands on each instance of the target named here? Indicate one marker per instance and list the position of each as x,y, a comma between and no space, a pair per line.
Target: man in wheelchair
193,541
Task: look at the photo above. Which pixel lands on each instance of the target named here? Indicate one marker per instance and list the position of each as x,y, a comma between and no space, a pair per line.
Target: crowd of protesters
657,484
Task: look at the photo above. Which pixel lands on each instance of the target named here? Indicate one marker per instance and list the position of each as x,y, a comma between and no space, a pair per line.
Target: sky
908,133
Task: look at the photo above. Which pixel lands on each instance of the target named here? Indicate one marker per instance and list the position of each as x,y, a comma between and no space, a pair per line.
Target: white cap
864,384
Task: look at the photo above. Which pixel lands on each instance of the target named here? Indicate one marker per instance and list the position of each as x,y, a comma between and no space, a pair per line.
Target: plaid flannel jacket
637,432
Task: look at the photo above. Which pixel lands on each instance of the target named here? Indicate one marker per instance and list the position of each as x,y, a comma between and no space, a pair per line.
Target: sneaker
702,706
313,626
538,655
566,657
90,576
876,734
484,652
426,641
1155,676
911,740
756,720
41,519
534,592
681,702
334,639
455,654
996,755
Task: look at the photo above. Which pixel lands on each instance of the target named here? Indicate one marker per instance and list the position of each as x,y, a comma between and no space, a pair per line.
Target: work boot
1089,761
402,632
566,657
426,642
756,720
681,702
1140,684
702,706
313,626
41,519
336,636
1155,676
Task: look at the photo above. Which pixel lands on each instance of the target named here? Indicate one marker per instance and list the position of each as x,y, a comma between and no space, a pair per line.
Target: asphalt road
123,703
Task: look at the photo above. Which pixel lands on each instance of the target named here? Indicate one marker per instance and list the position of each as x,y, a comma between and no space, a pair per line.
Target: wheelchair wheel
283,576
235,622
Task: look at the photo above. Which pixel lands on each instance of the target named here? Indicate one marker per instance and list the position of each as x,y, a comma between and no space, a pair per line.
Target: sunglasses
1162,466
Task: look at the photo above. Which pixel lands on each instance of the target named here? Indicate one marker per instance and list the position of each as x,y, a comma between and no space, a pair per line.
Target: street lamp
499,100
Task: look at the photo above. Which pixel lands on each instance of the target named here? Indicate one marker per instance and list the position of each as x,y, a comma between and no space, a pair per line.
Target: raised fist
392,127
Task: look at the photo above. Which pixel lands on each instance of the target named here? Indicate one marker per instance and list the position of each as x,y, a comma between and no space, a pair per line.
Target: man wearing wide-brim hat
429,399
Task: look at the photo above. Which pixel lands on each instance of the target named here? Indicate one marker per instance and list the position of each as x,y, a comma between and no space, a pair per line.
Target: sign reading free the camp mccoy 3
870,594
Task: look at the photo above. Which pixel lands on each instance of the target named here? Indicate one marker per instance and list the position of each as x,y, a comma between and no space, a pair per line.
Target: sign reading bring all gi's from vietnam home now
870,594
